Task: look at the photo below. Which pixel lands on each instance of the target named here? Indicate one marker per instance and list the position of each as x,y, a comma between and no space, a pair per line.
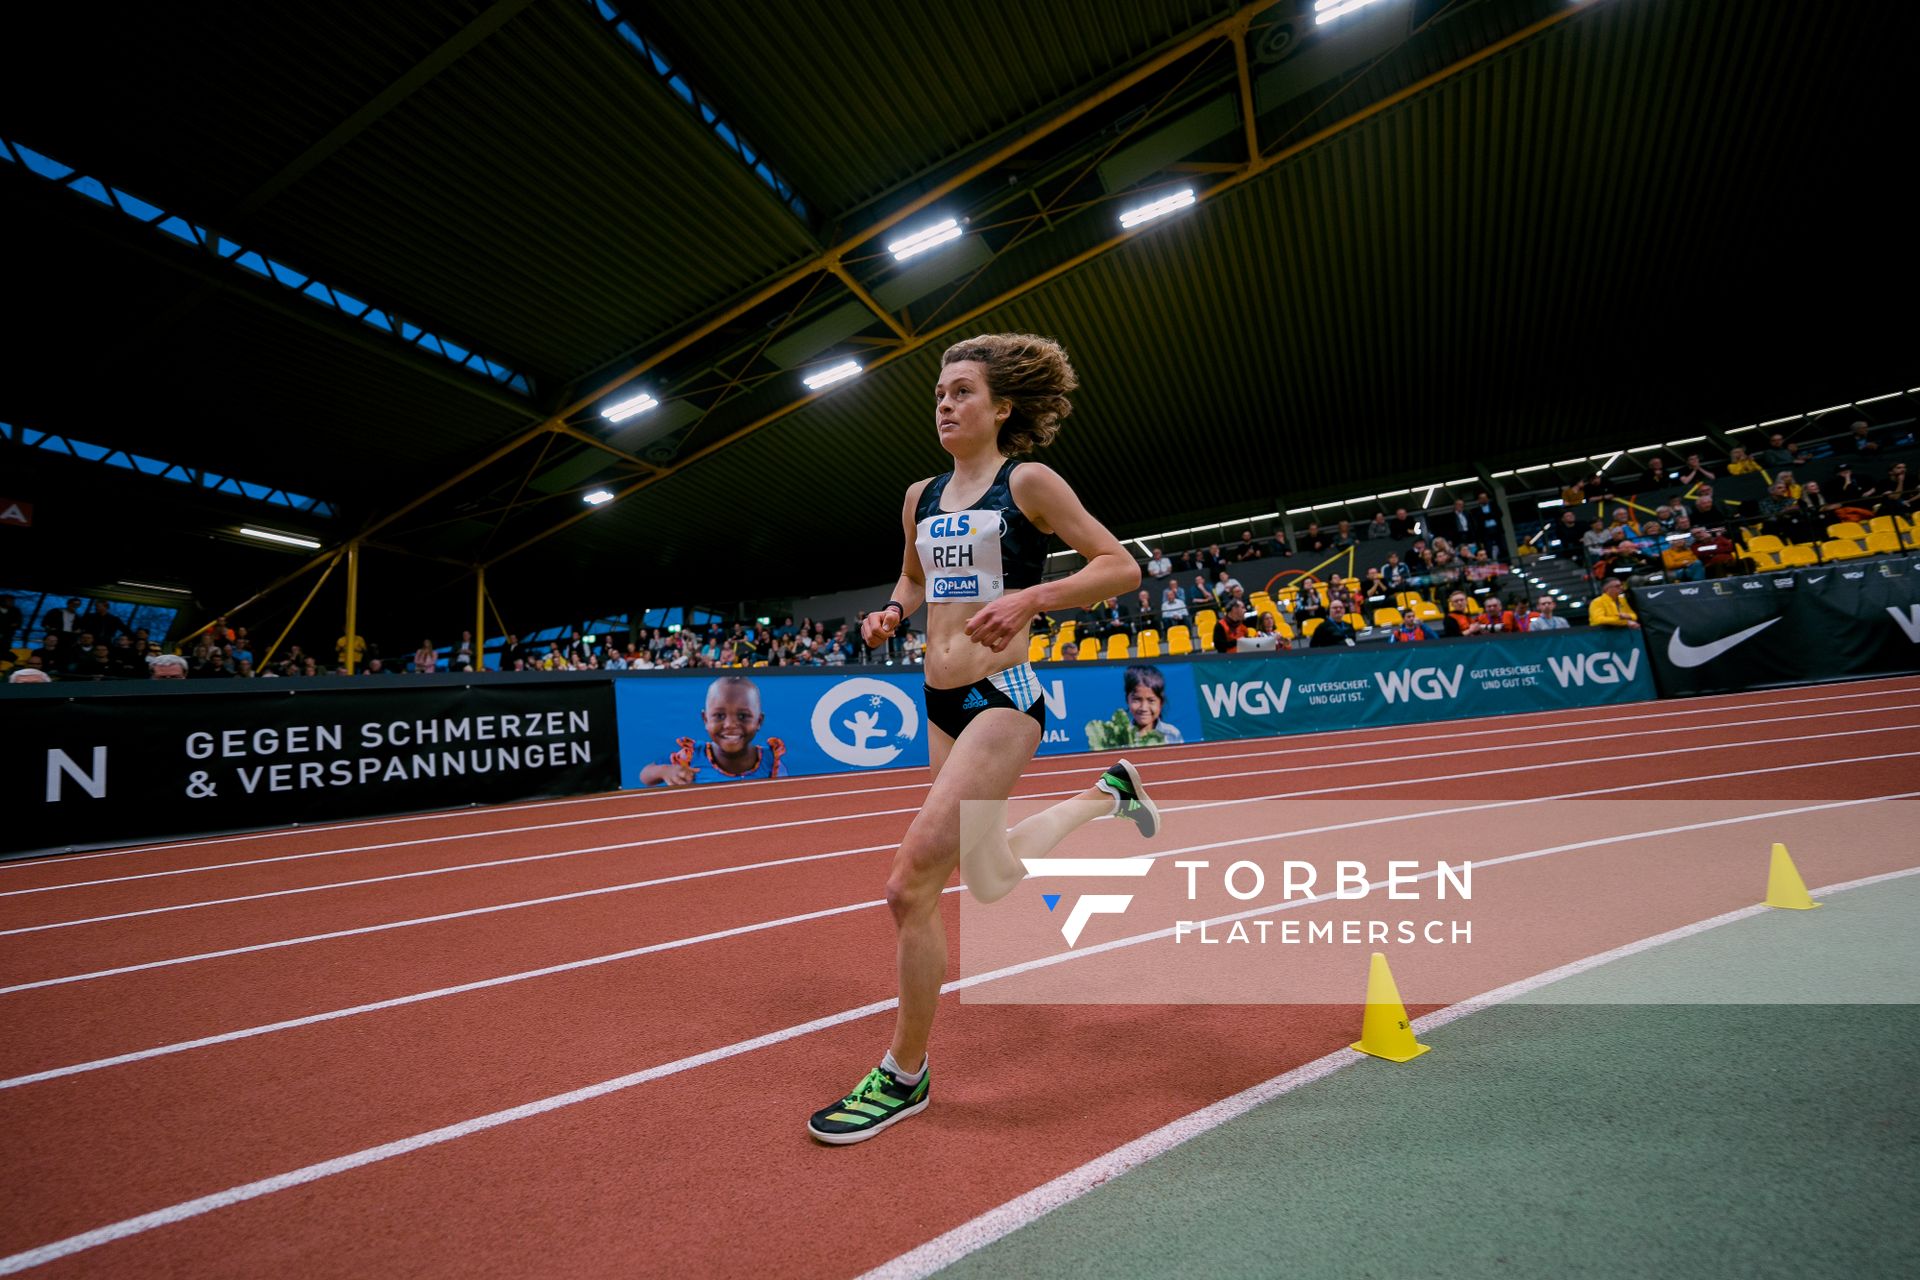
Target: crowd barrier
1798,626
91,766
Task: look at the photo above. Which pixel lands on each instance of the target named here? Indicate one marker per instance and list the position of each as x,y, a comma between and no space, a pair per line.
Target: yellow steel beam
353,600
867,300
273,648
325,557
583,437
1255,168
1245,75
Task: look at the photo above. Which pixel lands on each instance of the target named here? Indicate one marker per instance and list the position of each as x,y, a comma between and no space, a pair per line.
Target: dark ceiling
1621,221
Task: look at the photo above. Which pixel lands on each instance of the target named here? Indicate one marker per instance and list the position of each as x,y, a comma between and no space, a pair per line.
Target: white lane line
1209,804
1045,795
1144,863
996,1224
188,1209
1317,767
1189,752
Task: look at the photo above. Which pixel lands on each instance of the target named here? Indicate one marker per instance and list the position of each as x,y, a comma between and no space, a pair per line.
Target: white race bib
960,556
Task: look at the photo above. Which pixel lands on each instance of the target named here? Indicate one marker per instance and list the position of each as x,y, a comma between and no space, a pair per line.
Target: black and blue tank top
979,552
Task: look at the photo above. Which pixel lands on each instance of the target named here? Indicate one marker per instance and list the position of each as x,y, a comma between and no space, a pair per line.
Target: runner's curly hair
1029,372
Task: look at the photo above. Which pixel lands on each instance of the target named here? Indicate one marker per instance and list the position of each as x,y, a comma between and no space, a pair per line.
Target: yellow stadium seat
1310,626
1764,542
1798,555
1119,647
1764,560
1840,549
1179,641
1321,590
1203,629
1883,542
1037,648
1282,630
1473,606
1259,598
1386,617
1066,630
1883,524
1426,611
1845,529
1911,538
1090,651
1353,586
1149,644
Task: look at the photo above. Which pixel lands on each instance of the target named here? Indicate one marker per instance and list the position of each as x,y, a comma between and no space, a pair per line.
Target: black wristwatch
897,607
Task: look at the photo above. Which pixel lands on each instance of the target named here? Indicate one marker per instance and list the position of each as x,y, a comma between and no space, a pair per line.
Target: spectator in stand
1717,553
1704,512
1487,520
1598,487
1457,525
1859,440
1419,558
1279,542
1343,535
1778,455
1228,629
216,667
1250,547
1495,617
1814,503
1310,605
1572,495
1213,560
65,621
171,666
1695,472
1562,536
1110,619
1404,526
124,661
1315,542
463,653
101,621
1374,591
28,675
1543,617
1849,490
1202,596
1188,562
1395,572
1739,464
1143,612
1664,515
1377,528
1337,629
1897,495
1159,566
1173,604
1409,630
11,624
1458,621
425,659
1611,608
1263,638
1780,515
1069,651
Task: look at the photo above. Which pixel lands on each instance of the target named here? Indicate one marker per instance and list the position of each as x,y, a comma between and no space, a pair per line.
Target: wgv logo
1255,697
1429,684
957,588
1908,620
1093,904
859,739
1601,668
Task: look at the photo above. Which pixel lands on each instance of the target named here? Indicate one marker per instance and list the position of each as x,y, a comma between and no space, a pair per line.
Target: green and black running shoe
877,1102
1123,783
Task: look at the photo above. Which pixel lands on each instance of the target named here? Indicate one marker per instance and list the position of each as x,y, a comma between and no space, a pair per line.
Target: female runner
976,547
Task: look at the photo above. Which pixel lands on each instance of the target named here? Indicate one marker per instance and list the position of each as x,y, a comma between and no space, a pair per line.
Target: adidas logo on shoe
973,701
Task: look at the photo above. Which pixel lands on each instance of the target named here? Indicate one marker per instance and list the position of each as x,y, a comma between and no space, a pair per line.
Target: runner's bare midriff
953,659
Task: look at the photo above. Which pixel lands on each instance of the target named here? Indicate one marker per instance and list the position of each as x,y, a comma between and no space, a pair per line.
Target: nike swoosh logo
1682,654
1821,578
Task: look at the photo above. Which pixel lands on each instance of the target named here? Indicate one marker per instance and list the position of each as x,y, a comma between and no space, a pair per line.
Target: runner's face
1143,704
733,717
964,411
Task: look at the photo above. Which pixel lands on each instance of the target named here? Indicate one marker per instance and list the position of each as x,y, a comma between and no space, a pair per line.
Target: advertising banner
1824,622
104,769
1406,684
738,725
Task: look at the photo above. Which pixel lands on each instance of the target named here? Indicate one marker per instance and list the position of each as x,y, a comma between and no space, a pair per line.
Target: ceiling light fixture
838,373
629,408
285,539
1157,209
921,241
597,497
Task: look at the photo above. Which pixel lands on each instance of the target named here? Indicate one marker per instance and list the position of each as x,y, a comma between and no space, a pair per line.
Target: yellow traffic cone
1385,1031
1785,889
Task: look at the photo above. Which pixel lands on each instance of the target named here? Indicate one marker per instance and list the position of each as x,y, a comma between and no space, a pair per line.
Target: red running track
113,965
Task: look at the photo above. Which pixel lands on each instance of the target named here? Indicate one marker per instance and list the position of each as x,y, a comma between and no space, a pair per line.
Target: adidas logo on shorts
973,701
